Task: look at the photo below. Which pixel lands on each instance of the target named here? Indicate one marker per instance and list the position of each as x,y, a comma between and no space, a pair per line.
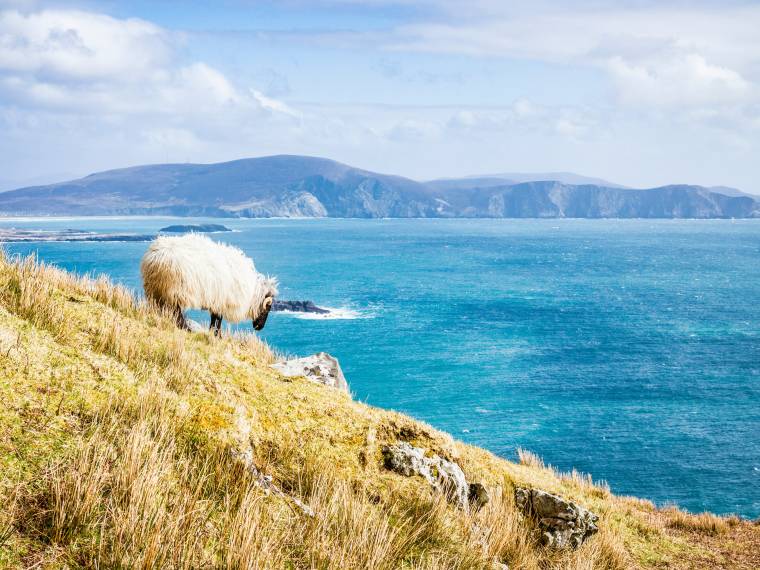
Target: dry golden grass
529,459
579,480
121,439
705,523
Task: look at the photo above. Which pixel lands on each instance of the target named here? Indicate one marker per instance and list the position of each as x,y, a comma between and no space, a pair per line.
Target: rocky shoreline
14,235
17,235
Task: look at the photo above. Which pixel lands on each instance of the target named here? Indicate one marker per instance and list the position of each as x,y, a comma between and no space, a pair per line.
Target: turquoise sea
628,349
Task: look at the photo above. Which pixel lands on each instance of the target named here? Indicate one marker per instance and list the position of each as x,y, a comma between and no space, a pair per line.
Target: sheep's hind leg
216,324
179,316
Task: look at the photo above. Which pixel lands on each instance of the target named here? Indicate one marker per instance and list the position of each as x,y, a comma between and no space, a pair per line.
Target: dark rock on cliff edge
298,307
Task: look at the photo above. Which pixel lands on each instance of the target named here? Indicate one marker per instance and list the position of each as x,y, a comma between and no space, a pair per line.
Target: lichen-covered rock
443,475
564,524
320,368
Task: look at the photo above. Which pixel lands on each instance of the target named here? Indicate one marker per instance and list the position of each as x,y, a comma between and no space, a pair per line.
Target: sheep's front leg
216,324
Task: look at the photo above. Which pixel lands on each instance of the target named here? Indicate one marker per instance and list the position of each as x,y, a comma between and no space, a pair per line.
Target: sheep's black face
261,320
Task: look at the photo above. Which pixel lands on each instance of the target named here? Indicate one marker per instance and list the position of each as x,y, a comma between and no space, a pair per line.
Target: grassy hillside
124,443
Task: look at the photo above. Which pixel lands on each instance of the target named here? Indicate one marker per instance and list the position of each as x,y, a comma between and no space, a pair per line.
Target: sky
642,93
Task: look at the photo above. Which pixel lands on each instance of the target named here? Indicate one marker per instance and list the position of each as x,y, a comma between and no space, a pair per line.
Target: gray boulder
320,368
563,523
443,475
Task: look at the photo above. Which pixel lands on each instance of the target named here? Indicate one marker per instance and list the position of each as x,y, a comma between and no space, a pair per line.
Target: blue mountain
304,186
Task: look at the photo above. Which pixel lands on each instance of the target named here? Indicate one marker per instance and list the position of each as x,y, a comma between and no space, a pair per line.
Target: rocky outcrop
563,523
444,476
299,307
197,228
320,368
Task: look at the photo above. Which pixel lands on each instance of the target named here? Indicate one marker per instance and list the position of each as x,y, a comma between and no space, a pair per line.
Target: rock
443,475
197,228
299,307
320,368
564,524
477,495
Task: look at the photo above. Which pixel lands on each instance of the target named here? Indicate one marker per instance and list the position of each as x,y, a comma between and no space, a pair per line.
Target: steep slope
316,187
125,442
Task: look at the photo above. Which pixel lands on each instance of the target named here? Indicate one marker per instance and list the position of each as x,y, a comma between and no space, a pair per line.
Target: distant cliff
298,186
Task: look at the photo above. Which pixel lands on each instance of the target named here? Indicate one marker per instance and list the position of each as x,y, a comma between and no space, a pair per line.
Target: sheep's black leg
180,318
216,324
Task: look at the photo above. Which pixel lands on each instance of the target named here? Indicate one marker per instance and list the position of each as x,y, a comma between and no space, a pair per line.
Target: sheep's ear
271,283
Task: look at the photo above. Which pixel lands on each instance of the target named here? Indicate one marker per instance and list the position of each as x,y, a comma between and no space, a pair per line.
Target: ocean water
627,349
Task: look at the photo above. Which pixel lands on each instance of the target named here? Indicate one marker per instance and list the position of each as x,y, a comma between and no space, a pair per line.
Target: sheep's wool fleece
195,272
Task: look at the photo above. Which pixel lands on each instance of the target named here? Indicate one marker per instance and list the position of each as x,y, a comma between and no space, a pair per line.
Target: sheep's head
269,292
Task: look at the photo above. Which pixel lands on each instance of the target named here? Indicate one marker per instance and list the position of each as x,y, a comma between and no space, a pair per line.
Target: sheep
194,272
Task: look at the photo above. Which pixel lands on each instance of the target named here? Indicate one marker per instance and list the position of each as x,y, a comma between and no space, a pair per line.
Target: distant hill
485,180
300,186
728,191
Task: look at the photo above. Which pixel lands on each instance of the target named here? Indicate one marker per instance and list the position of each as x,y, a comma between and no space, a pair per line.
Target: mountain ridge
303,186
518,177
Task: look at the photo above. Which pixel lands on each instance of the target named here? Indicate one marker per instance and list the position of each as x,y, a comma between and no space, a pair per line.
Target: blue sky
641,93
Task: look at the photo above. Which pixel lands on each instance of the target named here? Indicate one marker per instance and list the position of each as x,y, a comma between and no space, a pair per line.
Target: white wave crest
334,314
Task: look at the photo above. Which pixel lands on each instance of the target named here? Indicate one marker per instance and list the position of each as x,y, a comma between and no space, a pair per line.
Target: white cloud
73,45
656,54
414,129
274,105
88,91
87,63
683,80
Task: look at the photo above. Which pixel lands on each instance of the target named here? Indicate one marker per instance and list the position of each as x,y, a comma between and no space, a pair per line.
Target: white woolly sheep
194,272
